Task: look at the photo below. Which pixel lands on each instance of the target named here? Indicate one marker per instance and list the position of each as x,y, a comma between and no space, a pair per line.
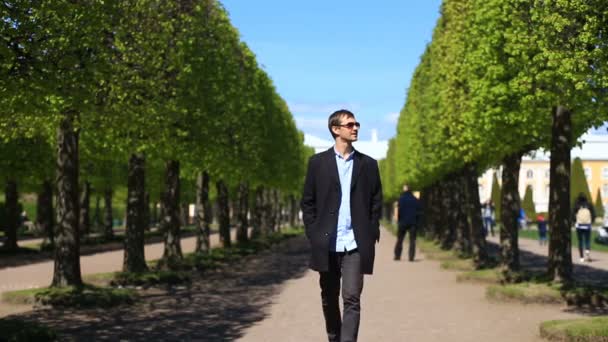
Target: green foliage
485,276
599,204
150,278
584,329
14,330
79,297
578,182
525,292
528,203
488,82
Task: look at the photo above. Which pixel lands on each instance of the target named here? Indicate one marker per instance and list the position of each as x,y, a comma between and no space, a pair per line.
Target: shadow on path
218,306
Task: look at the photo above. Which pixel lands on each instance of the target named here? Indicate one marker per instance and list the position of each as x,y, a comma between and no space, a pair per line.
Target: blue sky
327,55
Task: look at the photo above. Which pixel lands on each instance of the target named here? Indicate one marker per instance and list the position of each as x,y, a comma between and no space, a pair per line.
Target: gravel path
406,301
274,297
40,274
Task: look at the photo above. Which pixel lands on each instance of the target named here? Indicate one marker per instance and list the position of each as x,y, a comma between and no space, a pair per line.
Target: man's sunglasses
350,125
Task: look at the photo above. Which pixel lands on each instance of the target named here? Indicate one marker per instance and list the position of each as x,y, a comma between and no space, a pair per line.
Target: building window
529,174
605,190
588,173
547,173
605,173
547,191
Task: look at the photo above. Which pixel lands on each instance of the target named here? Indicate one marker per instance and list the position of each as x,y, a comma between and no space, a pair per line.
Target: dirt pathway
405,301
40,274
274,297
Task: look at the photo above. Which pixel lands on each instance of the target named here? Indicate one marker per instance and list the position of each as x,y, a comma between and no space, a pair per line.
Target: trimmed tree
578,182
599,204
528,203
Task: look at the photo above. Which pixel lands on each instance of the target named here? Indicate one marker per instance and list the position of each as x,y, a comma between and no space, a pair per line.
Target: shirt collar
350,156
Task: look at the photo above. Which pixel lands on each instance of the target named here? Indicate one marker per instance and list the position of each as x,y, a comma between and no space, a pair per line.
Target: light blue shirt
345,237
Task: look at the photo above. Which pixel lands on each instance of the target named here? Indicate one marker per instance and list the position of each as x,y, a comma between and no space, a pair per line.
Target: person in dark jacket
341,205
408,218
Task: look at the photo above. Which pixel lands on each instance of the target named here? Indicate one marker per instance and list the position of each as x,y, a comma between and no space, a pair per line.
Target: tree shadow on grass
217,306
585,275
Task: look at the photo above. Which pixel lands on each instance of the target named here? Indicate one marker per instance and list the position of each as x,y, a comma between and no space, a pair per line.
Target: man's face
348,129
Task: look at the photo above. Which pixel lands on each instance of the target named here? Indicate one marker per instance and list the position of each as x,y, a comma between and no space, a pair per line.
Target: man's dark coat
321,203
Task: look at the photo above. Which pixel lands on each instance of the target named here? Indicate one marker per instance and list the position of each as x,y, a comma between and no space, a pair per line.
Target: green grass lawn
533,234
17,330
586,329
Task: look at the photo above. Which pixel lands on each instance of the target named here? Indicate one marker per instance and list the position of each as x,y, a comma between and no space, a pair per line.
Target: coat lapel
334,178
357,164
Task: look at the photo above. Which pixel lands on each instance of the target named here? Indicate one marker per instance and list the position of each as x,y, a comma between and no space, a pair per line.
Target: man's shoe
587,256
397,258
582,259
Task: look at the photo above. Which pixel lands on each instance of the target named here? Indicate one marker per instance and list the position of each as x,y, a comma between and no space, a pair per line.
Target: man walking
408,217
341,206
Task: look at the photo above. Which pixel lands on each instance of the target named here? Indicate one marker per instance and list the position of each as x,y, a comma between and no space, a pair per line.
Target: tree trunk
203,214
44,213
12,215
185,214
434,214
243,209
464,244
67,242
560,244
155,213
424,224
224,212
447,216
509,248
268,223
480,252
147,215
97,215
257,214
85,201
293,210
276,210
134,258
108,218
234,206
172,255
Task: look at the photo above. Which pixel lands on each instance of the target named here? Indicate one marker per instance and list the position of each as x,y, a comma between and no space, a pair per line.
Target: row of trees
159,96
500,78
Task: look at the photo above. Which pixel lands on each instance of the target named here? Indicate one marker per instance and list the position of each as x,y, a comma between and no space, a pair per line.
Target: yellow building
535,172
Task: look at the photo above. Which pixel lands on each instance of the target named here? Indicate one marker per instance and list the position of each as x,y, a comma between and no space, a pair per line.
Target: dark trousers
584,240
345,265
403,229
488,225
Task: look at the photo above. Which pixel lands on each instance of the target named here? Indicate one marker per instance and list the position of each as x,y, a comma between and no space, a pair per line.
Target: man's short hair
334,119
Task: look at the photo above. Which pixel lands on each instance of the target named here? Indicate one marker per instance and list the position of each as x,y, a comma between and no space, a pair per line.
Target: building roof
594,147
374,148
